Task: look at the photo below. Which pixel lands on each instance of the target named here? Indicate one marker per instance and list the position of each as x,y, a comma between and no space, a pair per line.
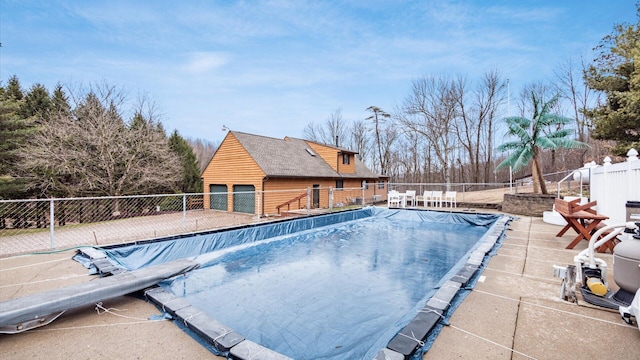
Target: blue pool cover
337,286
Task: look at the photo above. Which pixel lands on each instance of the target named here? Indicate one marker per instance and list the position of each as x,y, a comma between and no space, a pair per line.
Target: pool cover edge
224,339
411,340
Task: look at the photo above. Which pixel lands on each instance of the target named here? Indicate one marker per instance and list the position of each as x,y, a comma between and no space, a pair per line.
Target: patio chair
393,198
411,197
436,198
450,198
426,197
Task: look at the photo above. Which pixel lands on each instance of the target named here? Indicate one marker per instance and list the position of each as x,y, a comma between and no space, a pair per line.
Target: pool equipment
591,272
582,174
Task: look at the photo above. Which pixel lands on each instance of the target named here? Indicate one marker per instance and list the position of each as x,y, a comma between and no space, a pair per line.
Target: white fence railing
613,185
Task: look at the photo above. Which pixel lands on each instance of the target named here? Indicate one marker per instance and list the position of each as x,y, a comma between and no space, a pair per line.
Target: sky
272,67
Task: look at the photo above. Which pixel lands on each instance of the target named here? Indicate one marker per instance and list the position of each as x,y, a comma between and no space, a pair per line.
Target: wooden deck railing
288,203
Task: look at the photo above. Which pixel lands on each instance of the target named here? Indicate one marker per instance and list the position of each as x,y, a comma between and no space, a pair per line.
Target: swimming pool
338,286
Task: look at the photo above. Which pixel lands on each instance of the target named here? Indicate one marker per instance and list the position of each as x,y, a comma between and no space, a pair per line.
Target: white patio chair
393,198
426,198
436,198
411,197
450,198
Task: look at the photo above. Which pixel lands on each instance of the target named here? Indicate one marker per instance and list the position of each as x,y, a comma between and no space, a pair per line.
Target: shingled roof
293,157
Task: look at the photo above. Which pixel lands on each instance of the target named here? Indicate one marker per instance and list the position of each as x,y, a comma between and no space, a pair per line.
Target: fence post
184,212
364,183
330,198
632,155
51,224
259,196
462,191
308,200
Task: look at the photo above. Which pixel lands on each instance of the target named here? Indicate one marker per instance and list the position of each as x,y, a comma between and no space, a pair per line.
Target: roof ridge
256,135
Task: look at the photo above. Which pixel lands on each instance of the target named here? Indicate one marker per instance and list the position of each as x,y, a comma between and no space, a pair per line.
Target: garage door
244,199
218,197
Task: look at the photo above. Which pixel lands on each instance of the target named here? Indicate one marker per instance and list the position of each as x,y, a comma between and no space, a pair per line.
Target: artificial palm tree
532,138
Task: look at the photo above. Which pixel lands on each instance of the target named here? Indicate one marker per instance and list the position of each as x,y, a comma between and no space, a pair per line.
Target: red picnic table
583,219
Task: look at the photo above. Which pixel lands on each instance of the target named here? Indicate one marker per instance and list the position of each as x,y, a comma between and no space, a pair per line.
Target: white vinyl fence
613,185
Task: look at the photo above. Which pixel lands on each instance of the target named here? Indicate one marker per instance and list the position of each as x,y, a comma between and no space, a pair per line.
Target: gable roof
293,157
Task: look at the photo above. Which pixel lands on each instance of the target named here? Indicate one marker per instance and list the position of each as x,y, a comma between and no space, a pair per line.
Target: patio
514,313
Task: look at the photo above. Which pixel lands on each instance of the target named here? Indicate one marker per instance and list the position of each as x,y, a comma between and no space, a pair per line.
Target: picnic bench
583,219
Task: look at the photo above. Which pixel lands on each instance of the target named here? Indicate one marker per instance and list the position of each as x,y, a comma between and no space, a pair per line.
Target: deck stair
288,203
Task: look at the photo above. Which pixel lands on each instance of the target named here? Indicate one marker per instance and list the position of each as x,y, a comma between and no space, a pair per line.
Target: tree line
449,129
94,141
90,142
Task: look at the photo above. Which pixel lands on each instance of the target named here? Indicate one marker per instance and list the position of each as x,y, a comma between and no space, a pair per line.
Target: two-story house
279,170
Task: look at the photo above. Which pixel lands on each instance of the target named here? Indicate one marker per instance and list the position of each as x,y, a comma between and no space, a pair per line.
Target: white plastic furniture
393,198
426,198
411,197
450,198
436,198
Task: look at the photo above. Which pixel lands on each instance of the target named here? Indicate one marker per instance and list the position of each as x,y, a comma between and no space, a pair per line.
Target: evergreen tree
60,101
37,103
14,130
191,181
615,73
13,90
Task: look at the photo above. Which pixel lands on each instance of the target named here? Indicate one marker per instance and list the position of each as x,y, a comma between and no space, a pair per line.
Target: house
281,171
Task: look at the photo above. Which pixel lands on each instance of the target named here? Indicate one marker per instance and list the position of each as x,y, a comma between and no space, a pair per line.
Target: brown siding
232,165
279,191
328,154
333,157
347,168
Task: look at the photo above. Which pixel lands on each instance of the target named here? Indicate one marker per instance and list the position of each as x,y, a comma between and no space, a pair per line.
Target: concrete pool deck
515,313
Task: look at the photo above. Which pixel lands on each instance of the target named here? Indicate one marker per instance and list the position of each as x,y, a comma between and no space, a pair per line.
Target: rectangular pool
340,288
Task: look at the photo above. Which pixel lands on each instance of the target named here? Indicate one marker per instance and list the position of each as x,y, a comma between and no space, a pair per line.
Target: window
346,159
380,184
339,184
366,185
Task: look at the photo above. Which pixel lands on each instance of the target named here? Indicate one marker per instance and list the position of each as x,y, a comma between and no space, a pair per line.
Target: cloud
203,62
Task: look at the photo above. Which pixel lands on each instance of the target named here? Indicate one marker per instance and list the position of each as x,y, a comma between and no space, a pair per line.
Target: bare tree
359,139
93,150
313,132
411,158
573,88
384,136
475,126
204,150
430,110
333,132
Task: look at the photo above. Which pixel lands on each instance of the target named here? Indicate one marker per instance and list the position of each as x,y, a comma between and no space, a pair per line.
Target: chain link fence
489,195
53,224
